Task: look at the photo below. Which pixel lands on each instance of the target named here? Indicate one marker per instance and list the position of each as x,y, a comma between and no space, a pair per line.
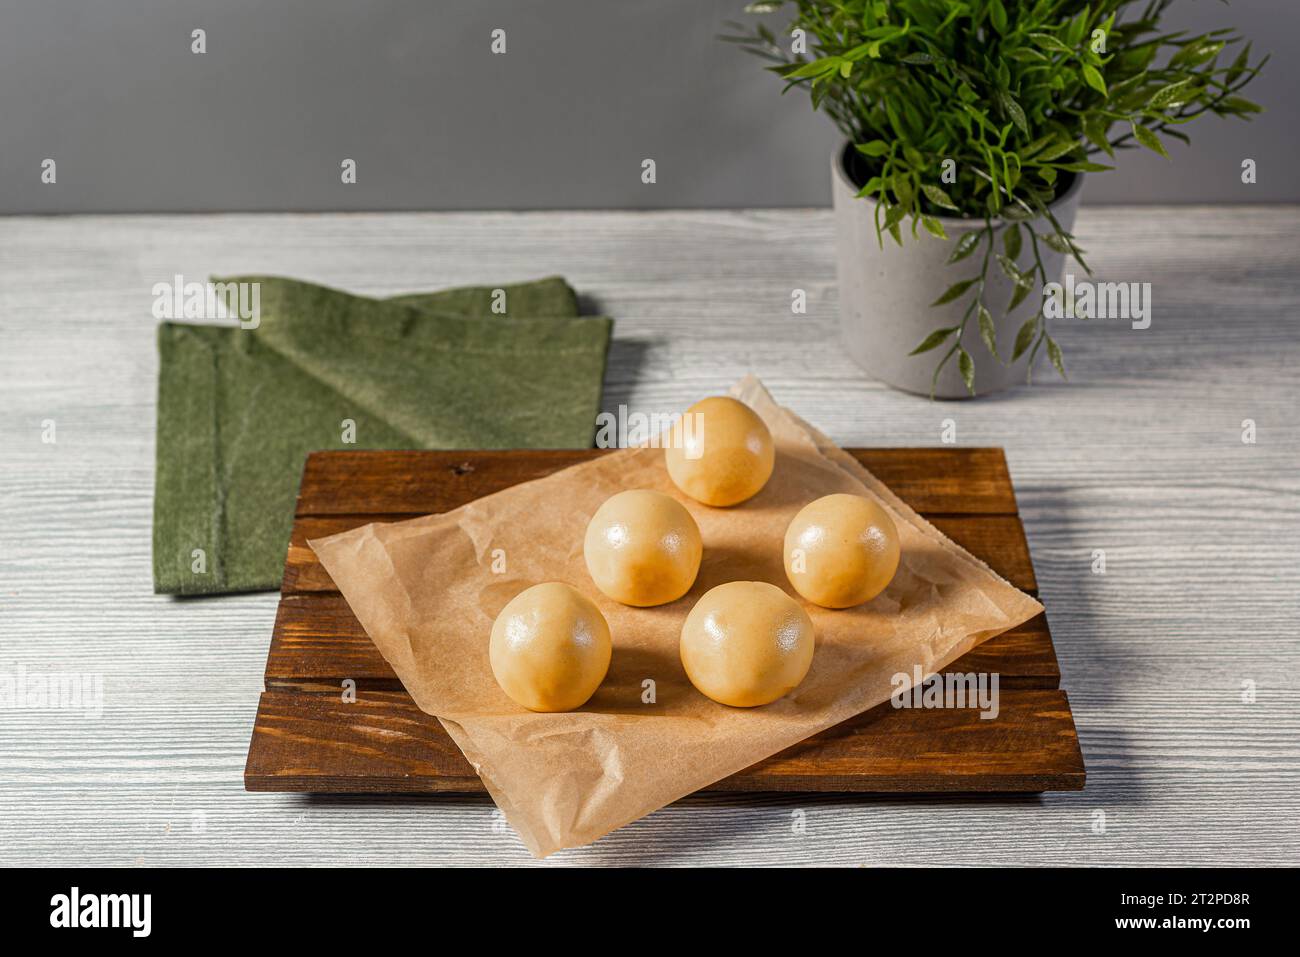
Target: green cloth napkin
240,409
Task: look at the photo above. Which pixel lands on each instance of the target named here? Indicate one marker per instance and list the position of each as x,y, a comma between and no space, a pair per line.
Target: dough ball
747,644
550,648
643,548
841,550
721,452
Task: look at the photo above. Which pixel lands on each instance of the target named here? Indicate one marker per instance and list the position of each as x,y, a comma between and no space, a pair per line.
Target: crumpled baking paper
426,592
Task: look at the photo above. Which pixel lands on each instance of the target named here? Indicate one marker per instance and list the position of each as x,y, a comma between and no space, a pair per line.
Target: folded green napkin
240,409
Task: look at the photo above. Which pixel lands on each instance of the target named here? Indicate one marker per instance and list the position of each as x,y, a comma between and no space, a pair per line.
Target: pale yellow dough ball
720,452
841,550
550,648
643,548
746,644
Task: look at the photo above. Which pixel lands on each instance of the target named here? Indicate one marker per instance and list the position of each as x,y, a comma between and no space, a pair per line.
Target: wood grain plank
317,643
997,540
938,481
384,743
1024,657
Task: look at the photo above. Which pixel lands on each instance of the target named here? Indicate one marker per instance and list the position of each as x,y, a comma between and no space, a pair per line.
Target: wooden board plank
318,643
306,738
1030,746
383,743
1024,657
943,481
997,540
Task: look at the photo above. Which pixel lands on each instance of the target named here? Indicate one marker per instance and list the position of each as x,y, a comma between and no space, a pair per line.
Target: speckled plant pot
885,294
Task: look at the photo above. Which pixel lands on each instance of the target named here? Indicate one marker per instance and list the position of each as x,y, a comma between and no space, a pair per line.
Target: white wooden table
1141,456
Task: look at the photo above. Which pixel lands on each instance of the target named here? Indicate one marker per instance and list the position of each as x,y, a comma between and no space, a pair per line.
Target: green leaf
873,186
1094,127
903,190
1012,270
1236,104
1021,292
894,215
966,365
1057,242
1084,166
1028,152
954,291
998,16
1049,42
1129,94
1238,66
1011,169
814,69
1074,33
1026,55
1011,241
1056,150
1054,353
933,227
1196,53
874,148
1013,110
918,59
937,196
934,339
1149,140
1092,76
1173,96
1025,337
988,332
965,246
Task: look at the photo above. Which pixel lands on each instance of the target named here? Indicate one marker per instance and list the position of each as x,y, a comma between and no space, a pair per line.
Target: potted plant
970,124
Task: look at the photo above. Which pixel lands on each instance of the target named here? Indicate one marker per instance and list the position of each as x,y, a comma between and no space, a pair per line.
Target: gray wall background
410,90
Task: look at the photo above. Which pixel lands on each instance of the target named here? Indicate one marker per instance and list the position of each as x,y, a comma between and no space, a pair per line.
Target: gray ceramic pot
885,294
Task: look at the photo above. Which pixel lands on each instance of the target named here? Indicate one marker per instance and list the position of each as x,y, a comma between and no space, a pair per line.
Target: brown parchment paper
426,593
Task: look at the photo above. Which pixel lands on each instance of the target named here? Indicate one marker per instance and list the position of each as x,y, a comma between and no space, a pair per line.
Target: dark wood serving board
306,738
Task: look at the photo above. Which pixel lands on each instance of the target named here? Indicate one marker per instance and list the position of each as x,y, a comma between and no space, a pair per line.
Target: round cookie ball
643,548
746,644
721,452
841,550
550,647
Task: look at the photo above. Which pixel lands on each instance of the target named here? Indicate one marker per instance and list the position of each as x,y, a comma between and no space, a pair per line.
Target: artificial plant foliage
987,109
